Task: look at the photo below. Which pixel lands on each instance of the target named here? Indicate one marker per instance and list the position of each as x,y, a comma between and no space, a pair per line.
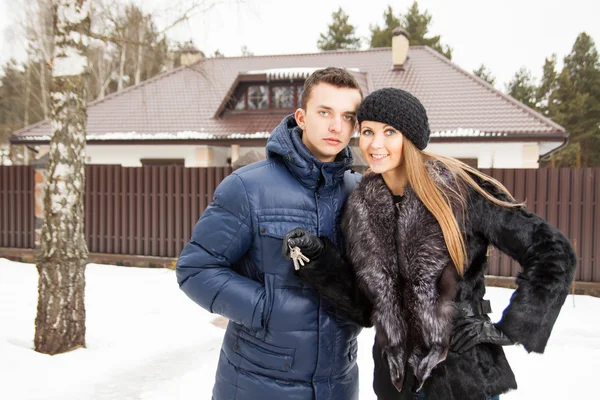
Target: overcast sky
504,35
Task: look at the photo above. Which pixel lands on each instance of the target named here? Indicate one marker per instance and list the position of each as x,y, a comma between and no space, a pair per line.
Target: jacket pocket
263,354
272,229
277,229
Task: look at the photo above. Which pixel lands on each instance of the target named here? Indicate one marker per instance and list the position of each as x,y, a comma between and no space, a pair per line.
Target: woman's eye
367,132
390,132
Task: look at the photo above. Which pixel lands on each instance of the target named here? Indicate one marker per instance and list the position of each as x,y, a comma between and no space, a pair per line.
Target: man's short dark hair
337,77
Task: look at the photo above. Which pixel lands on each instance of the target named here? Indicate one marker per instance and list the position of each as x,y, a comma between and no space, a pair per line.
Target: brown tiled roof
181,104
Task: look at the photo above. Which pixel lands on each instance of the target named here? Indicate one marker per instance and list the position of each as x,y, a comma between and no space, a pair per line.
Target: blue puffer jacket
283,341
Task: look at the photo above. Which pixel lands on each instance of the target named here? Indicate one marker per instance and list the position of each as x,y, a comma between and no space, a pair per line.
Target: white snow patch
196,135
141,345
289,73
460,133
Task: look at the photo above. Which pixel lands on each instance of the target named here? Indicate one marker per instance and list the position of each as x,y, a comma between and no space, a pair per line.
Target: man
283,341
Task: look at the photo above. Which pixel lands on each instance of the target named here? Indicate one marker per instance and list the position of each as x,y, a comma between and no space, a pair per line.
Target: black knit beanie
399,109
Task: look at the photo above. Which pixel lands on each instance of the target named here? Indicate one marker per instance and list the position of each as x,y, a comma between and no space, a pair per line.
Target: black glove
310,245
471,331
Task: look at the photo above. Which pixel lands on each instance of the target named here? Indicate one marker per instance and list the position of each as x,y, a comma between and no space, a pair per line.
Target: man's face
329,120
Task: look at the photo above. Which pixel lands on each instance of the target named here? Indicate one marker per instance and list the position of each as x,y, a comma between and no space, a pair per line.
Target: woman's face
381,146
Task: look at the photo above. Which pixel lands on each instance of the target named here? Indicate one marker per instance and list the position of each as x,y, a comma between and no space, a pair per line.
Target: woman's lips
379,157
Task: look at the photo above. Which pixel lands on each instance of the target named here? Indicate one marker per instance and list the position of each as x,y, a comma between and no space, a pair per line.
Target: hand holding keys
297,256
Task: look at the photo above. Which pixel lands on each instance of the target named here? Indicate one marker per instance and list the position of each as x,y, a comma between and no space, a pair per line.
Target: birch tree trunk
140,51
60,321
43,87
122,65
101,87
27,92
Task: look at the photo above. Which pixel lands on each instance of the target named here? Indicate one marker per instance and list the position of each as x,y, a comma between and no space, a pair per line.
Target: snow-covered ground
146,340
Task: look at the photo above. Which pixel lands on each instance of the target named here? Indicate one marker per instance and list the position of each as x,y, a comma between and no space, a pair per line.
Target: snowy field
146,340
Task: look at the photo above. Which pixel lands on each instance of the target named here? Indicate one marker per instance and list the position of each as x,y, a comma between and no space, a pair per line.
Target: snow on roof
289,73
125,136
194,135
460,132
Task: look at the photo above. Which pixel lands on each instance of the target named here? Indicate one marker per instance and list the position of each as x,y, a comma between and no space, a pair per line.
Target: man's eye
349,118
323,113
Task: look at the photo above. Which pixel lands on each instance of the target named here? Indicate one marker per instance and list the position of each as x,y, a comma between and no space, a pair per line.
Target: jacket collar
285,143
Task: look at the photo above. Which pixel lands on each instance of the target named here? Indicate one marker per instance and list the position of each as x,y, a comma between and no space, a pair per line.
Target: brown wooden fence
148,210
152,210
17,202
568,198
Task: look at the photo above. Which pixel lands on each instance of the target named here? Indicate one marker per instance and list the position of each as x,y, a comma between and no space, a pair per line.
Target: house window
258,97
162,161
282,97
274,96
241,103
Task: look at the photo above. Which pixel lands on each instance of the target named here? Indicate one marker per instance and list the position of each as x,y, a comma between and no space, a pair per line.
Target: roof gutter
546,157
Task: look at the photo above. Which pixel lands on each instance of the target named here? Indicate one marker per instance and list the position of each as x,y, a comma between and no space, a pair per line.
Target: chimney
399,47
190,57
189,54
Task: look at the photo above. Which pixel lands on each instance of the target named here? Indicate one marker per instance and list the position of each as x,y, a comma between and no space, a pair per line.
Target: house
211,111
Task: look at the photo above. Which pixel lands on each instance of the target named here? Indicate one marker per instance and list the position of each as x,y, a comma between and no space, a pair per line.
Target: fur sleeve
334,279
547,261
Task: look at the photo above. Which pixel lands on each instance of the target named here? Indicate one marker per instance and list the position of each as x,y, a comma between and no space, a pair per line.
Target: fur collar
402,263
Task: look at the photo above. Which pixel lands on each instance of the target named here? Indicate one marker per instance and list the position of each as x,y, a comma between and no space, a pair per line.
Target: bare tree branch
197,7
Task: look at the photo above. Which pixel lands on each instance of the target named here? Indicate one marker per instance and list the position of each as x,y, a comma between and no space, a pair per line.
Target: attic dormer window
282,96
241,102
258,97
266,96
268,91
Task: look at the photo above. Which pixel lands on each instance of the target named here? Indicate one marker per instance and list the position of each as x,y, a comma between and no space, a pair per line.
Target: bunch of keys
297,256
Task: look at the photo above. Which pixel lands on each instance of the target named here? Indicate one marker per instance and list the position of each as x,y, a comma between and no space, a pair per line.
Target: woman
417,230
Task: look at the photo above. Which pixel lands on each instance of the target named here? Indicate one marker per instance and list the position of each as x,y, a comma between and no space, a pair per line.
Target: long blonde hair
436,196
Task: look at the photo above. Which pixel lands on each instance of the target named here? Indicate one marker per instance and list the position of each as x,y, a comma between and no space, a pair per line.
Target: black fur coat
399,277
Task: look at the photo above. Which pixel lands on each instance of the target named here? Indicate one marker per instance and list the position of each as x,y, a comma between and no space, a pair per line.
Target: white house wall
488,155
492,155
130,155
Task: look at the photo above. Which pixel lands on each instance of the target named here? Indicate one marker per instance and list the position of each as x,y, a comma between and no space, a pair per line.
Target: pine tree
566,108
382,37
12,96
340,34
484,73
246,52
547,85
575,104
522,87
417,26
